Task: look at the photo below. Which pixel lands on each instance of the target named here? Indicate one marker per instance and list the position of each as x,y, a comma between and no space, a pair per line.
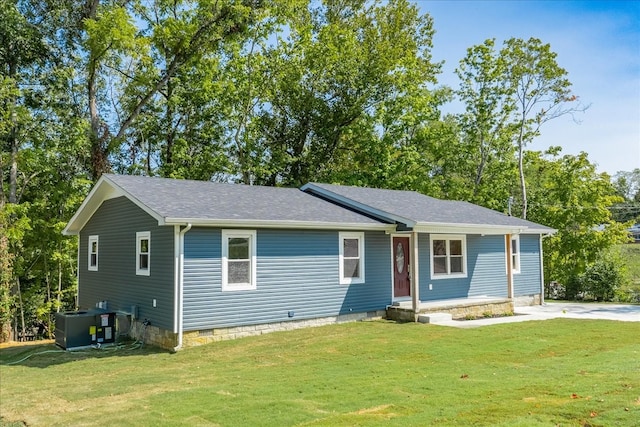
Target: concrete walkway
552,310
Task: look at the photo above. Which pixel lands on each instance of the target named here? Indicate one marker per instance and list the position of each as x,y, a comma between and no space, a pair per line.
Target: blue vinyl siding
297,270
528,281
116,222
486,270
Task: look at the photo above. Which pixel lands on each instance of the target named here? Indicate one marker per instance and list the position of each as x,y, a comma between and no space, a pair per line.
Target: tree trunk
13,143
99,159
99,156
170,130
22,323
523,184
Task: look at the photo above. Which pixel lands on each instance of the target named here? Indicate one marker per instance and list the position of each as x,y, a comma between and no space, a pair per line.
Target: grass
631,254
558,372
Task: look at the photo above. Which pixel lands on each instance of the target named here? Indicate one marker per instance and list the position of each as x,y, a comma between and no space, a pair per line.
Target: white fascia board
308,225
469,229
100,192
345,201
543,231
104,189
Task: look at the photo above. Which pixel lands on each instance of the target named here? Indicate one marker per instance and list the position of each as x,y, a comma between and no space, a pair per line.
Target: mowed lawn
557,372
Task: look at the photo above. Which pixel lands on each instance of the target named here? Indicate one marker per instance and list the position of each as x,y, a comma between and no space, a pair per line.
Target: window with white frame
143,253
238,260
448,256
515,254
351,258
92,262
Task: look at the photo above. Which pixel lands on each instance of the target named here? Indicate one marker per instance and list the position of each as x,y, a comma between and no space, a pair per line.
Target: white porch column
541,270
509,267
415,280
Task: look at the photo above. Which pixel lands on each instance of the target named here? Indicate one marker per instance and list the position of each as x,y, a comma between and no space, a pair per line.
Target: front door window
400,258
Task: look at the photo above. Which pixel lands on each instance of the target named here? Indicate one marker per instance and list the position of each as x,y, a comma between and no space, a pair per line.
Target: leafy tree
572,197
41,136
541,92
342,85
143,63
21,51
487,153
627,185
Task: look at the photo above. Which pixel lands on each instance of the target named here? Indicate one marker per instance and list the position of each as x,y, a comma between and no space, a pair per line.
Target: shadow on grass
48,354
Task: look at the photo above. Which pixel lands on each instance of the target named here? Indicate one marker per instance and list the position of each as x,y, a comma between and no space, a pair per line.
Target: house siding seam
527,282
116,222
485,270
297,271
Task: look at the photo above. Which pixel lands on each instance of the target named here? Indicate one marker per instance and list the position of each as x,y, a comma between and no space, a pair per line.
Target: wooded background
278,93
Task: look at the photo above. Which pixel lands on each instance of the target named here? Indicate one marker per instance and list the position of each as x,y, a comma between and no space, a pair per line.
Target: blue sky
597,42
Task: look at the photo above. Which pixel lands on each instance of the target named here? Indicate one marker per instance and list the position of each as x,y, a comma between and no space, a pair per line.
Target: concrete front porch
458,308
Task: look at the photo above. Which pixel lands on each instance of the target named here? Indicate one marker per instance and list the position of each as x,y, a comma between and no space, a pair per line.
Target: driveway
552,310
623,312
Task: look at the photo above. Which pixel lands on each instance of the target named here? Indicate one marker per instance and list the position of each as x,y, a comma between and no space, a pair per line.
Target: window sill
351,281
448,276
232,288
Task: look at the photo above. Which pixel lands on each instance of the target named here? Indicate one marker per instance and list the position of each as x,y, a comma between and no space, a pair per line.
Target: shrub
555,290
603,279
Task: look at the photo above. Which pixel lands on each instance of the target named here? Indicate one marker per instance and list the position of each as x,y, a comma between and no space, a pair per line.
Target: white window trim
143,235
351,235
515,243
226,235
92,239
448,238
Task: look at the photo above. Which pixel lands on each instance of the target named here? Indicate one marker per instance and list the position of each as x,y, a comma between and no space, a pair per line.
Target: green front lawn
557,372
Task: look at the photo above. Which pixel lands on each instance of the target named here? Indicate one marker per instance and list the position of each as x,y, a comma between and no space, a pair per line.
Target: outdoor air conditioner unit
81,329
73,328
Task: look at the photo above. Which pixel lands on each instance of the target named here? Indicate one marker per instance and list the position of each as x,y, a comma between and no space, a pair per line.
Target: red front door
401,281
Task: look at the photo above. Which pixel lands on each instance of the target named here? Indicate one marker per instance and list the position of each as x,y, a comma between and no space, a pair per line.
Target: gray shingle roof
418,208
173,201
203,200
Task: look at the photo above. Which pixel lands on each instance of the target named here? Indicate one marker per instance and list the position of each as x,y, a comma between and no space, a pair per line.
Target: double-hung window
238,260
515,254
143,253
351,258
92,262
448,256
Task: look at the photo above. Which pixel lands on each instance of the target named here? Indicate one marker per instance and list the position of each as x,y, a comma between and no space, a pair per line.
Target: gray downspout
77,305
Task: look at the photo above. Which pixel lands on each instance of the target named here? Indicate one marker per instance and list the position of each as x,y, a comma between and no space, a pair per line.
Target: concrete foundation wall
462,311
527,300
153,335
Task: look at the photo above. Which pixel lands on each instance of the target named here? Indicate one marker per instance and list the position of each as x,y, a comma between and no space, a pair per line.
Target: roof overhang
483,229
104,189
307,225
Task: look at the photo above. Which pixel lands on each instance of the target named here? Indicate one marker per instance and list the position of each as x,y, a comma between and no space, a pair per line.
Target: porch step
434,317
